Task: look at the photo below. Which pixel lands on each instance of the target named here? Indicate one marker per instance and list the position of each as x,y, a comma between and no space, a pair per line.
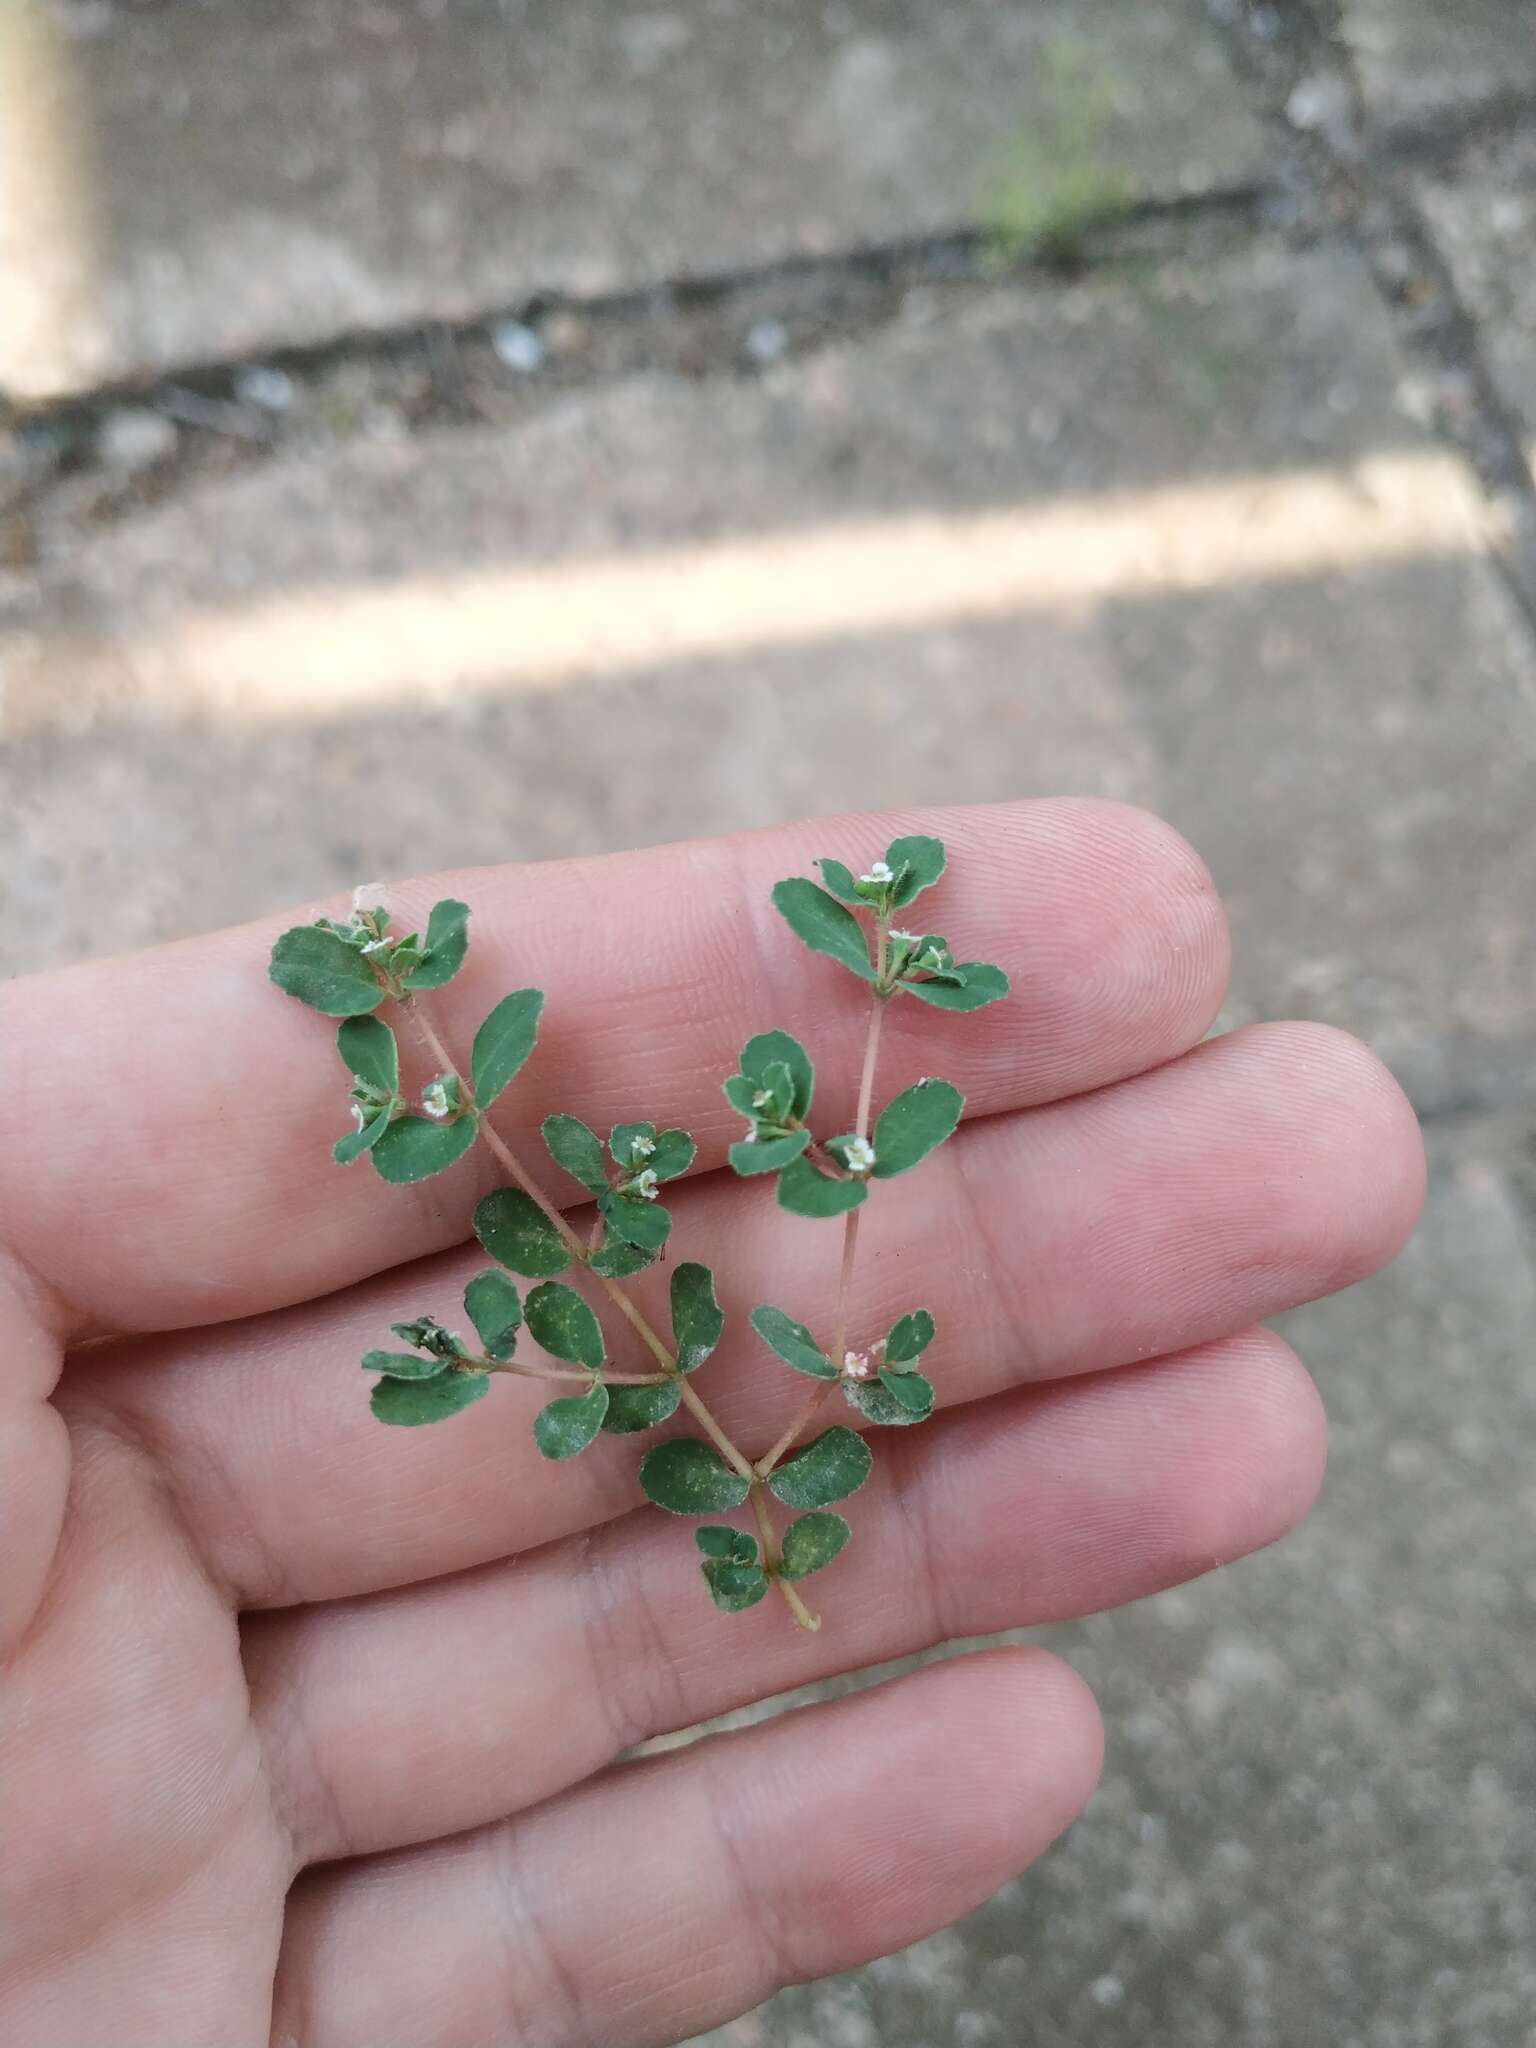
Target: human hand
309,1727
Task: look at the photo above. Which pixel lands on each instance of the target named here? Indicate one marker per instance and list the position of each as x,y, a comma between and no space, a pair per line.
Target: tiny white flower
434,1100
858,1365
858,1155
357,1115
641,1148
645,1184
879,873
377,946
904,938
369,897
762,1098
751,1137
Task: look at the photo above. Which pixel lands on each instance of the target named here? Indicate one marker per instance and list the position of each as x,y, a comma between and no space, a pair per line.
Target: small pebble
518,347
271,390
133,438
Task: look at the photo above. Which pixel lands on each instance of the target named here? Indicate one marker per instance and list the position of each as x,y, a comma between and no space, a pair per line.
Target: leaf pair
735,1578
636,1225
689,1477
823,919
348,970
895,1395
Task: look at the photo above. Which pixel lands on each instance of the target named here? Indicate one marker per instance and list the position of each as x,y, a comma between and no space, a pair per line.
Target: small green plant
1056,178
354,968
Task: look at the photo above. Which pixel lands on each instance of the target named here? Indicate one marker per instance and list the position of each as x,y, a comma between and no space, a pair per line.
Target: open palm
311,1727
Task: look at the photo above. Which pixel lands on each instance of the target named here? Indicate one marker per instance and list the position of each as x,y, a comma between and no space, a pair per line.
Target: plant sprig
351,969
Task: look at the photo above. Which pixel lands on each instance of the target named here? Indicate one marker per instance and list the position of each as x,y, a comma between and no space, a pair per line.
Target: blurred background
442,431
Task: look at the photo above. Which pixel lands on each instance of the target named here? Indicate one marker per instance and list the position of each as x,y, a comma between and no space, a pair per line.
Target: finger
669,1895
1261,1170
1040,1507
199,1186
34,1454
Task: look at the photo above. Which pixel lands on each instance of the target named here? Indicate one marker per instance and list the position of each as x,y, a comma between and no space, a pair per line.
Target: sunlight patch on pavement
447,635
53,336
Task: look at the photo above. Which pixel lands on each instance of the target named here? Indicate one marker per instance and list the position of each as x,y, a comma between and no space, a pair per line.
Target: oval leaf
578,1149
923,862
910,1391
733,1587
675,1153
839,879
768,1155
356,1143
913,1125
566,1427
515,1230
810,1542
492,1305
822,923
410,1402
697,1317
639,1222
368,1050
805,1190
909,1338
414,1147
504,1042
792,1342
770,1048
689,1477
616,1260
978,986
447,941
636,1408
325,972
836,1464
560,1321
876,1403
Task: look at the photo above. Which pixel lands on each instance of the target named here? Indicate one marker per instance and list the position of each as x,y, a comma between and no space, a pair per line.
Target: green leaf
566,1427
616,1260
409,1402
923,860
823,924
911,1391
356,1143
414,1147
810,1542
913,1124
447,943
325,972
518,1235
504,1042
808,1191
792,1342
428,1334
621,1143
731,1546
564,1325
769,1049
402,1365
638,1221
492,1305
697,1317
909,1338
875,1401
635,1408
738,1090
831,1467
981,985
734,1587
689,1477
368,1050
675,1153
578,1150
839,880
767,1155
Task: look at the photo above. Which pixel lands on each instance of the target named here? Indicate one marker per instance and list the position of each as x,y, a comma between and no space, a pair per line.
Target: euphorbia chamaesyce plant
355,969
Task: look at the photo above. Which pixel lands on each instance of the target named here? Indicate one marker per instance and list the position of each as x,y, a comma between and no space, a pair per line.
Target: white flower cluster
859,1155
